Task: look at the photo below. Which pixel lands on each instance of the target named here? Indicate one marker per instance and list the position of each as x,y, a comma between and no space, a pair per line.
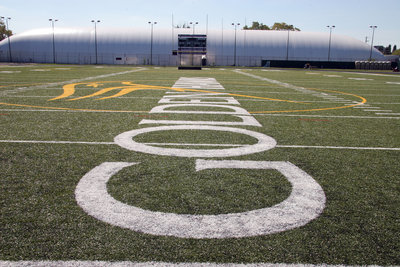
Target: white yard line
341,147
266,92
31,96
158,264
374,74
52,96
379,95
374,110
384,103
303,90
360,79
363,107
56,142
279,83
146,112
275,115
330,116
191,144
243,99
68,110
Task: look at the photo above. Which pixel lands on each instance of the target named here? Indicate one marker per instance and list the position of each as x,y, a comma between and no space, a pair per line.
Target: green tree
283,26
183,26
396,52
3,31
388,50
277,26
257,26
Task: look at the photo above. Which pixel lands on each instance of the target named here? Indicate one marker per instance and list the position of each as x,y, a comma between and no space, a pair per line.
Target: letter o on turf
264,143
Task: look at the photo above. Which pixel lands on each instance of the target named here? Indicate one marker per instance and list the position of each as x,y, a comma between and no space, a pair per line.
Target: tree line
387,50
278,26
4,33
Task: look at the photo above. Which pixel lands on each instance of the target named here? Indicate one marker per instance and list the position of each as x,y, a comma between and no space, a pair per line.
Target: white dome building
135,46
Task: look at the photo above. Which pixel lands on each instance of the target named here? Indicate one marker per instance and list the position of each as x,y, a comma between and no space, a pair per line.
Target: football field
139,166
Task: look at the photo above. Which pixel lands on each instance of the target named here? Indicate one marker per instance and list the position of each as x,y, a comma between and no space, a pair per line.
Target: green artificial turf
41,220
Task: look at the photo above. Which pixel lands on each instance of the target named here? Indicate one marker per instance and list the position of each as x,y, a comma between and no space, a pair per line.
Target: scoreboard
192,44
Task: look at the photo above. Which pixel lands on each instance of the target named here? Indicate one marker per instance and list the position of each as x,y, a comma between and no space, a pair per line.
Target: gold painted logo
128,87
123,89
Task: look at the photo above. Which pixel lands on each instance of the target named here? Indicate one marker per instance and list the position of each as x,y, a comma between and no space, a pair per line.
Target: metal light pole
8,37
151,42
54,48
95,36
287,46
234,60
372,41
194,25
330,39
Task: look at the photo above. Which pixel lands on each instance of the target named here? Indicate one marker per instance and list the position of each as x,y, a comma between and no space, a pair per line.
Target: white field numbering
305,203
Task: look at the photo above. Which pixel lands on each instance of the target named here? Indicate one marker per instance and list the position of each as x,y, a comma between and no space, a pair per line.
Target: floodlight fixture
234,53
330,40
194,25
53,21
95,37
373,27
151,41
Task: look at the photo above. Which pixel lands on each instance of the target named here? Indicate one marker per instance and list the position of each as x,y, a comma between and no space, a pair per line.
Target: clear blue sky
351,17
